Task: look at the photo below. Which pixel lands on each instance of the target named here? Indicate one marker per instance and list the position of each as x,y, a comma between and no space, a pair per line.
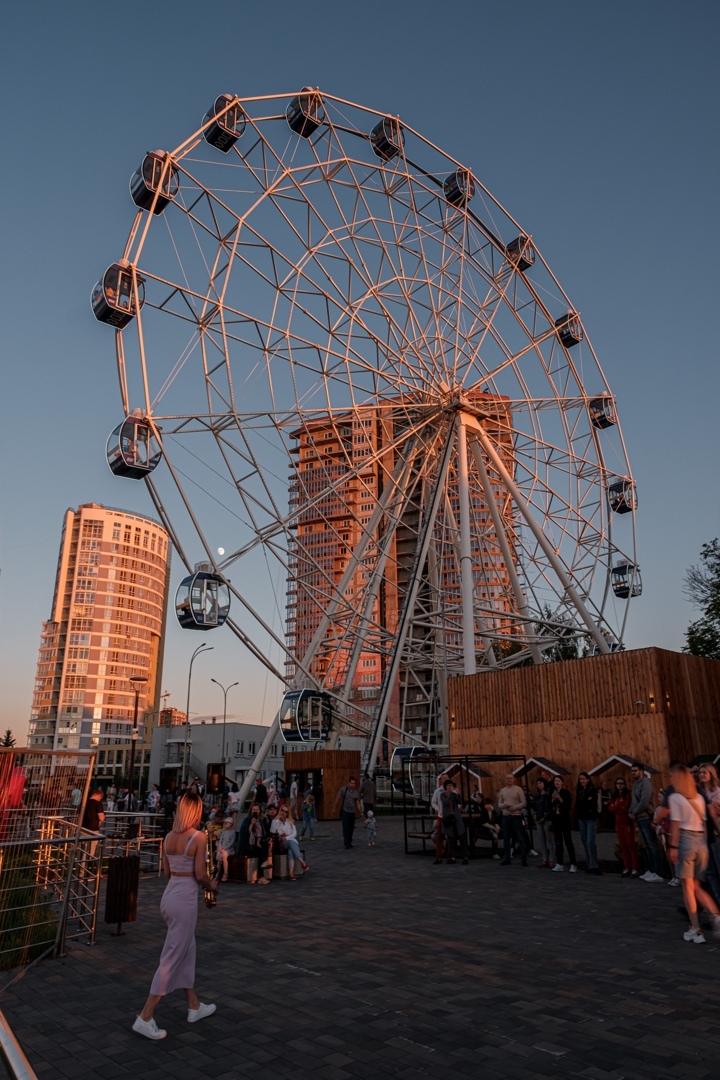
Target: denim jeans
652,850
513,829
546,841
348,827
588,832
308,824
292,850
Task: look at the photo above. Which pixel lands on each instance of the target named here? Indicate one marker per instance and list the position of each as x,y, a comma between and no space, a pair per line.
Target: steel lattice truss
320,323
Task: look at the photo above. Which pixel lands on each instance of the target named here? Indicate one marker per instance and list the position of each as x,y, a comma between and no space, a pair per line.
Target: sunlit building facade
106,625
343,466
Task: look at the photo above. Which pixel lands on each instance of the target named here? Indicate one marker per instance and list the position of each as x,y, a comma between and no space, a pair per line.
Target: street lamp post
200,648
225,694
137,681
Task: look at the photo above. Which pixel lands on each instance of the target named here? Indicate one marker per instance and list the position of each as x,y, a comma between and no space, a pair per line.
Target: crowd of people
680,837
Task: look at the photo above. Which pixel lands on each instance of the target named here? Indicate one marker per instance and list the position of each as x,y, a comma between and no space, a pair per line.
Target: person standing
541,816
153,798
309,816
293,798
710,791
368,793
619,807
586,807
437,832
511,802
560,809
348,799
184,865
688,850
261,795
641,806
453,826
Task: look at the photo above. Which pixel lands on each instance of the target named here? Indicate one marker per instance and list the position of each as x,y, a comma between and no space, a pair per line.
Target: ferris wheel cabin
520,252
228,123
202,601
305,112
569,329
626,581
387,138
132,449
602,411
459,187
156,181
622,497
306,716
113,299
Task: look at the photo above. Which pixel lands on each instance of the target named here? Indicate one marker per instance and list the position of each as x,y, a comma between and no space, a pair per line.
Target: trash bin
122,889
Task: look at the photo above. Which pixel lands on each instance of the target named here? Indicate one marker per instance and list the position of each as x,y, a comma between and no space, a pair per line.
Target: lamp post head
138,681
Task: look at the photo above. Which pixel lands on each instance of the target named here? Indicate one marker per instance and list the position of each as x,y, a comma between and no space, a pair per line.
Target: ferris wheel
338,350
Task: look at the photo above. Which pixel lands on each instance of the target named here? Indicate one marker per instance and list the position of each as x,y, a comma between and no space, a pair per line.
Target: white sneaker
558,867
645,876
653,877
696,936
200,1013
533,852
148,1028
573,868
674,881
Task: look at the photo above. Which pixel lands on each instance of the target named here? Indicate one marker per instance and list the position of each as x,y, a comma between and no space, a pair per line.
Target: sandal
291,877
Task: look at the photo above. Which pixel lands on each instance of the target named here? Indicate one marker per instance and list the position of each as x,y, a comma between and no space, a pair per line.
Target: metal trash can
122,889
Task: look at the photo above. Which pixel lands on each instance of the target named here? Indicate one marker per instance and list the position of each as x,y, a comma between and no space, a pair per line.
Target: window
239,748
251,748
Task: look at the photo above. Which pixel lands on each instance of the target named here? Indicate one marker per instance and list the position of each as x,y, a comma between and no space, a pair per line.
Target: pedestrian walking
688,849
348,801
184,864
368,793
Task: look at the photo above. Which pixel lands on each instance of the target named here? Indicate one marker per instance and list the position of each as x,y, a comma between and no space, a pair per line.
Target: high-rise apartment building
344,464
107,625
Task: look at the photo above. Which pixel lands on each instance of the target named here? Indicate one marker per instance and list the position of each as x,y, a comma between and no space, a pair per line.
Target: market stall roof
540,763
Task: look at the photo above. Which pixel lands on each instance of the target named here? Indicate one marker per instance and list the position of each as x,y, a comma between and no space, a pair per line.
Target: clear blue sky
595,125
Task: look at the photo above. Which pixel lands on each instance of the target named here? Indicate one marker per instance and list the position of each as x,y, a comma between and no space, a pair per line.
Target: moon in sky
221,551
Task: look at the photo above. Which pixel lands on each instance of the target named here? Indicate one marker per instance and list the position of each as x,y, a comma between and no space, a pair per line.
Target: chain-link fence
49,865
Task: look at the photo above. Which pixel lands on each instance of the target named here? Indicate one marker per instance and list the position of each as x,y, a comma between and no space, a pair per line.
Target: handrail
18,1066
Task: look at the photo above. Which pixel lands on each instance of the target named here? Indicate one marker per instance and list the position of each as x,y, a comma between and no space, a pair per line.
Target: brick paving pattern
379,964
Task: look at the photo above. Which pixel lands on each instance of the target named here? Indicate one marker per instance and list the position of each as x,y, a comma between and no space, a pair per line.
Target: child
308,816
226,846
371,826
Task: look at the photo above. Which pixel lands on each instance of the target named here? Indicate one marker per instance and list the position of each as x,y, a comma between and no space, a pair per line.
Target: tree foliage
7,739
702,588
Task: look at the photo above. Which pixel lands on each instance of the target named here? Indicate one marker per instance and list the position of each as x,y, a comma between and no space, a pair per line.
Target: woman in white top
688,850
284,827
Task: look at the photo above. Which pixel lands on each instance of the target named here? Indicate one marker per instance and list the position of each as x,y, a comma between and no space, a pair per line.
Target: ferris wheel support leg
540,536
466,568
424,537
480,620
256,766
505,548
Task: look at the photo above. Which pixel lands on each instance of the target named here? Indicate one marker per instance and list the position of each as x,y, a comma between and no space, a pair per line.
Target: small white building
205,749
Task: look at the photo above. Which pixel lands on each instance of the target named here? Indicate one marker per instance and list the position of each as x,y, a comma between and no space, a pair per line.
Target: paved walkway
381,965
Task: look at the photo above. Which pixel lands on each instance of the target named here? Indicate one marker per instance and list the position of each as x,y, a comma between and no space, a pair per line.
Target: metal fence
49,866
140,834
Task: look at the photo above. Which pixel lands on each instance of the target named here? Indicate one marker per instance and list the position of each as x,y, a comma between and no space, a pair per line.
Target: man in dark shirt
348,799
94,815
261,795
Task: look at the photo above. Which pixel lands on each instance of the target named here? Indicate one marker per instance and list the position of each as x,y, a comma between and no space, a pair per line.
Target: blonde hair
684,782
188,813
714,783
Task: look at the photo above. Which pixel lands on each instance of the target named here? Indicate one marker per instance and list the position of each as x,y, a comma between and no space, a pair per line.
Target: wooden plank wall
647,703
336,767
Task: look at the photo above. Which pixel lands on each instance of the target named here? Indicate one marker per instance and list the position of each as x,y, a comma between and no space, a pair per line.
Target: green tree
702,588
7,739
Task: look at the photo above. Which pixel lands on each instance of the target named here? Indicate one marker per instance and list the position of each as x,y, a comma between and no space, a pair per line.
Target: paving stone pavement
378,964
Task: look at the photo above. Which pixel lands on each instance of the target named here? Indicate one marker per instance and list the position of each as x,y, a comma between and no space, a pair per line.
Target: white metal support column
505,548
466,566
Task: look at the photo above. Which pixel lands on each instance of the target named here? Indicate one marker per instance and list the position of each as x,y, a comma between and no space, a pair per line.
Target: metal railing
17,1066
140,834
